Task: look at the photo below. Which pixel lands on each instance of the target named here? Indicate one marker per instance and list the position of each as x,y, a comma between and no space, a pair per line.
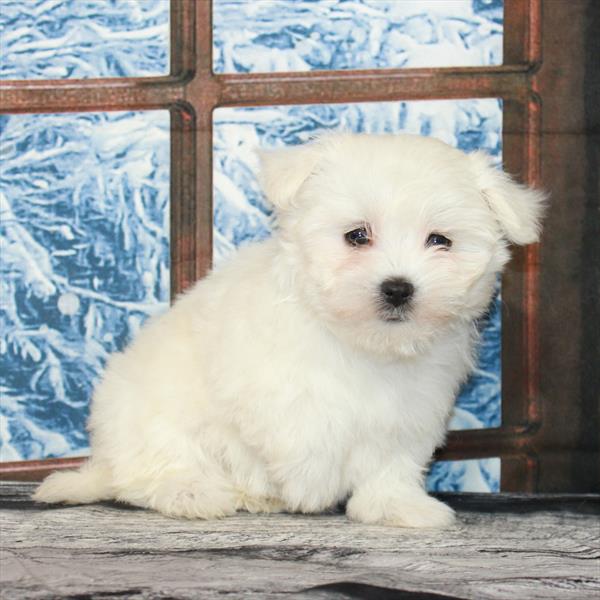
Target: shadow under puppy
321,364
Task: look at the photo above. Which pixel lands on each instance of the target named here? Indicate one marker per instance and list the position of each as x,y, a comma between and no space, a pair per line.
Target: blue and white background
84,198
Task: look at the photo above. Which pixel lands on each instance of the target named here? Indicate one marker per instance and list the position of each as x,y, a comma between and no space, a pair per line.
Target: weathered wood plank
98,551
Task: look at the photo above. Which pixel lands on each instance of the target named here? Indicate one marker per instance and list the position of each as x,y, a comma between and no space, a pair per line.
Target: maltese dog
321,365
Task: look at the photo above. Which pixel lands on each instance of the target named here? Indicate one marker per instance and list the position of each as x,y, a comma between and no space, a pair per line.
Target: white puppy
322,364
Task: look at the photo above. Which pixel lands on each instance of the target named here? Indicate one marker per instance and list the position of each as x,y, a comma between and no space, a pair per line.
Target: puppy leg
180,480
206,495
395,496
191,496
308,484
262,505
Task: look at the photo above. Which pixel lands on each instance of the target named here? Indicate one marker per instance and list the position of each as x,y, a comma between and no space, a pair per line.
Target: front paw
184,497
418,510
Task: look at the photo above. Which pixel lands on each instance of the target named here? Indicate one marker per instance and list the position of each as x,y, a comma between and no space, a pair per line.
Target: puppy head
392,239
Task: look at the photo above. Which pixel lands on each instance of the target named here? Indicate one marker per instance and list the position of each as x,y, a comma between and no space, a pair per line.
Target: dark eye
358,237
436,239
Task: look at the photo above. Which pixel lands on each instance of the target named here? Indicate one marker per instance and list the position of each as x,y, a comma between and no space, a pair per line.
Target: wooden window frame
192,91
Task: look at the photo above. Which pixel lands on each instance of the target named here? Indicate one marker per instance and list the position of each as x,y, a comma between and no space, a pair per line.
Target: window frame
192,91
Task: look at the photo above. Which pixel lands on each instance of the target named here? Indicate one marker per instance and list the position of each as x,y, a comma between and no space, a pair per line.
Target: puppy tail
90,483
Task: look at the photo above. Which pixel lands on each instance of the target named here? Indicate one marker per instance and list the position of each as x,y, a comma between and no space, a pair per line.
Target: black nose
397,291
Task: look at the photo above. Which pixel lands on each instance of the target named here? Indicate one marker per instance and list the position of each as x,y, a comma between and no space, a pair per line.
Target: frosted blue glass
306,35
84,260
482,475
241,214
84,226
64,39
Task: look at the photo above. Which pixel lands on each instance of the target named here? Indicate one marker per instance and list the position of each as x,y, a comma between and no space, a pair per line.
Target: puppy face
394,238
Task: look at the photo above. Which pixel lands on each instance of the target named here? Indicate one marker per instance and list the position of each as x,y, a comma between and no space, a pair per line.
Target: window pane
84,260
482,475
241,213
309,35
80,39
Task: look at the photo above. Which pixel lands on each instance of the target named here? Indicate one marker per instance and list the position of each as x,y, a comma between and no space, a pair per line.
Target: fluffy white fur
276,383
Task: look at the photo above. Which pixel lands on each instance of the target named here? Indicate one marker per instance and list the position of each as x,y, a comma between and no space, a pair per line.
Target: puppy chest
323,418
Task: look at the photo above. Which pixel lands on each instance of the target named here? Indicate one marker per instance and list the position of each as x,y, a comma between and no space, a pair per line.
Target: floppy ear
284,170
517,208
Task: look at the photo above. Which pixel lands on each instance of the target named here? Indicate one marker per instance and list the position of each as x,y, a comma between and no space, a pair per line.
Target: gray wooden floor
517,548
